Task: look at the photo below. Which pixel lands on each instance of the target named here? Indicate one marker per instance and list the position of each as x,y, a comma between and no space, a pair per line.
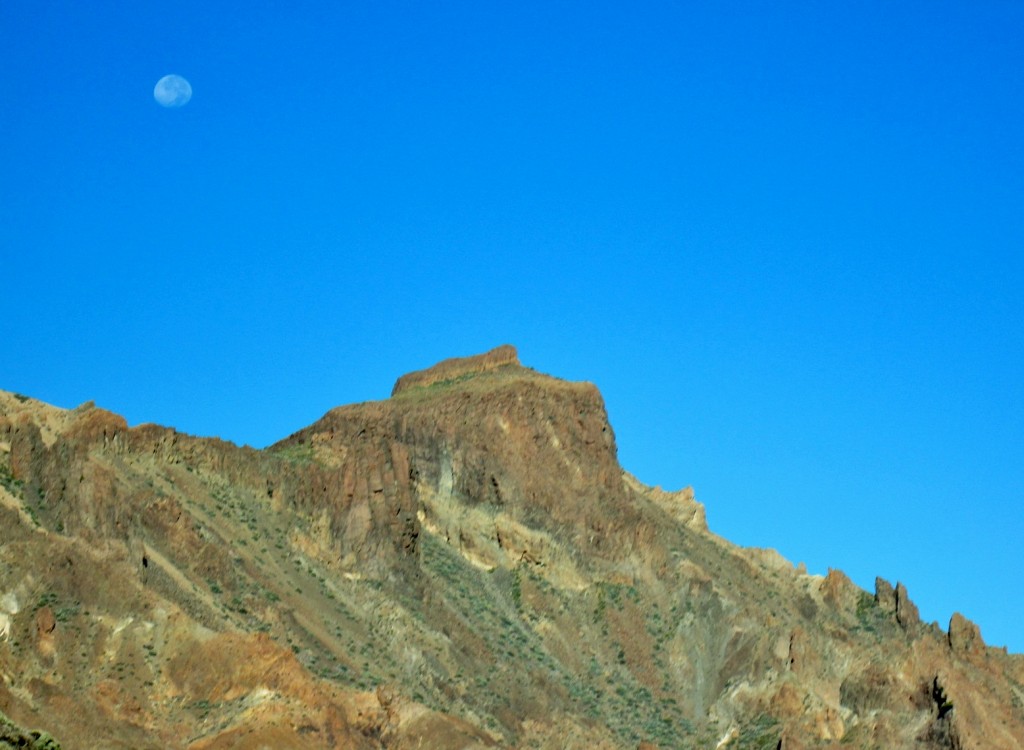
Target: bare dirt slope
463,565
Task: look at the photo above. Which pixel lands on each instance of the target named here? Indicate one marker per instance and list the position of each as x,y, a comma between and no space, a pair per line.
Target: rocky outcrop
964,636
462,565
885,595
838,590
513,442
458,368
365,502
896,601
906,611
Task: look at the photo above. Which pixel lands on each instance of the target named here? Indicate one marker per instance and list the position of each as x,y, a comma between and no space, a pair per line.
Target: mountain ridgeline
462,565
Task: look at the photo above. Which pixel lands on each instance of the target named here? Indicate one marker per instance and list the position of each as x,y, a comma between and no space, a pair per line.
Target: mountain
462,565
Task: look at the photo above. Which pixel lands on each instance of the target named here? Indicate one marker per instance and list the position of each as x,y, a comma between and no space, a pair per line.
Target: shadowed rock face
462,565
13,736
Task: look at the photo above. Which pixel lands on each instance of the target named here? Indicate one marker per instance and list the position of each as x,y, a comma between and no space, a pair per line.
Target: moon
172,91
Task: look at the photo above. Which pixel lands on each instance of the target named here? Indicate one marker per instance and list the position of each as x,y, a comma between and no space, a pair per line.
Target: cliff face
462,565
481,437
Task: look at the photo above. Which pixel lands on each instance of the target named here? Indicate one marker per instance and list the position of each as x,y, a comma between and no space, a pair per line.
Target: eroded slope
462,565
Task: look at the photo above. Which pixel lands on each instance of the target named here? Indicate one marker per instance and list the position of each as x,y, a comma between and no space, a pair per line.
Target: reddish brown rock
906,611
885,595
788,702
838,590
508,438
964,636
45,621
458,367
471,545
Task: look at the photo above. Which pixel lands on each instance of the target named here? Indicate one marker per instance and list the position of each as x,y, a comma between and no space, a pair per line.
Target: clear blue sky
784,239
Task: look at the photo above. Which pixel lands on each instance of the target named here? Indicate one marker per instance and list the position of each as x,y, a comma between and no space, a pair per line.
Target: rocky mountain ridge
463,565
